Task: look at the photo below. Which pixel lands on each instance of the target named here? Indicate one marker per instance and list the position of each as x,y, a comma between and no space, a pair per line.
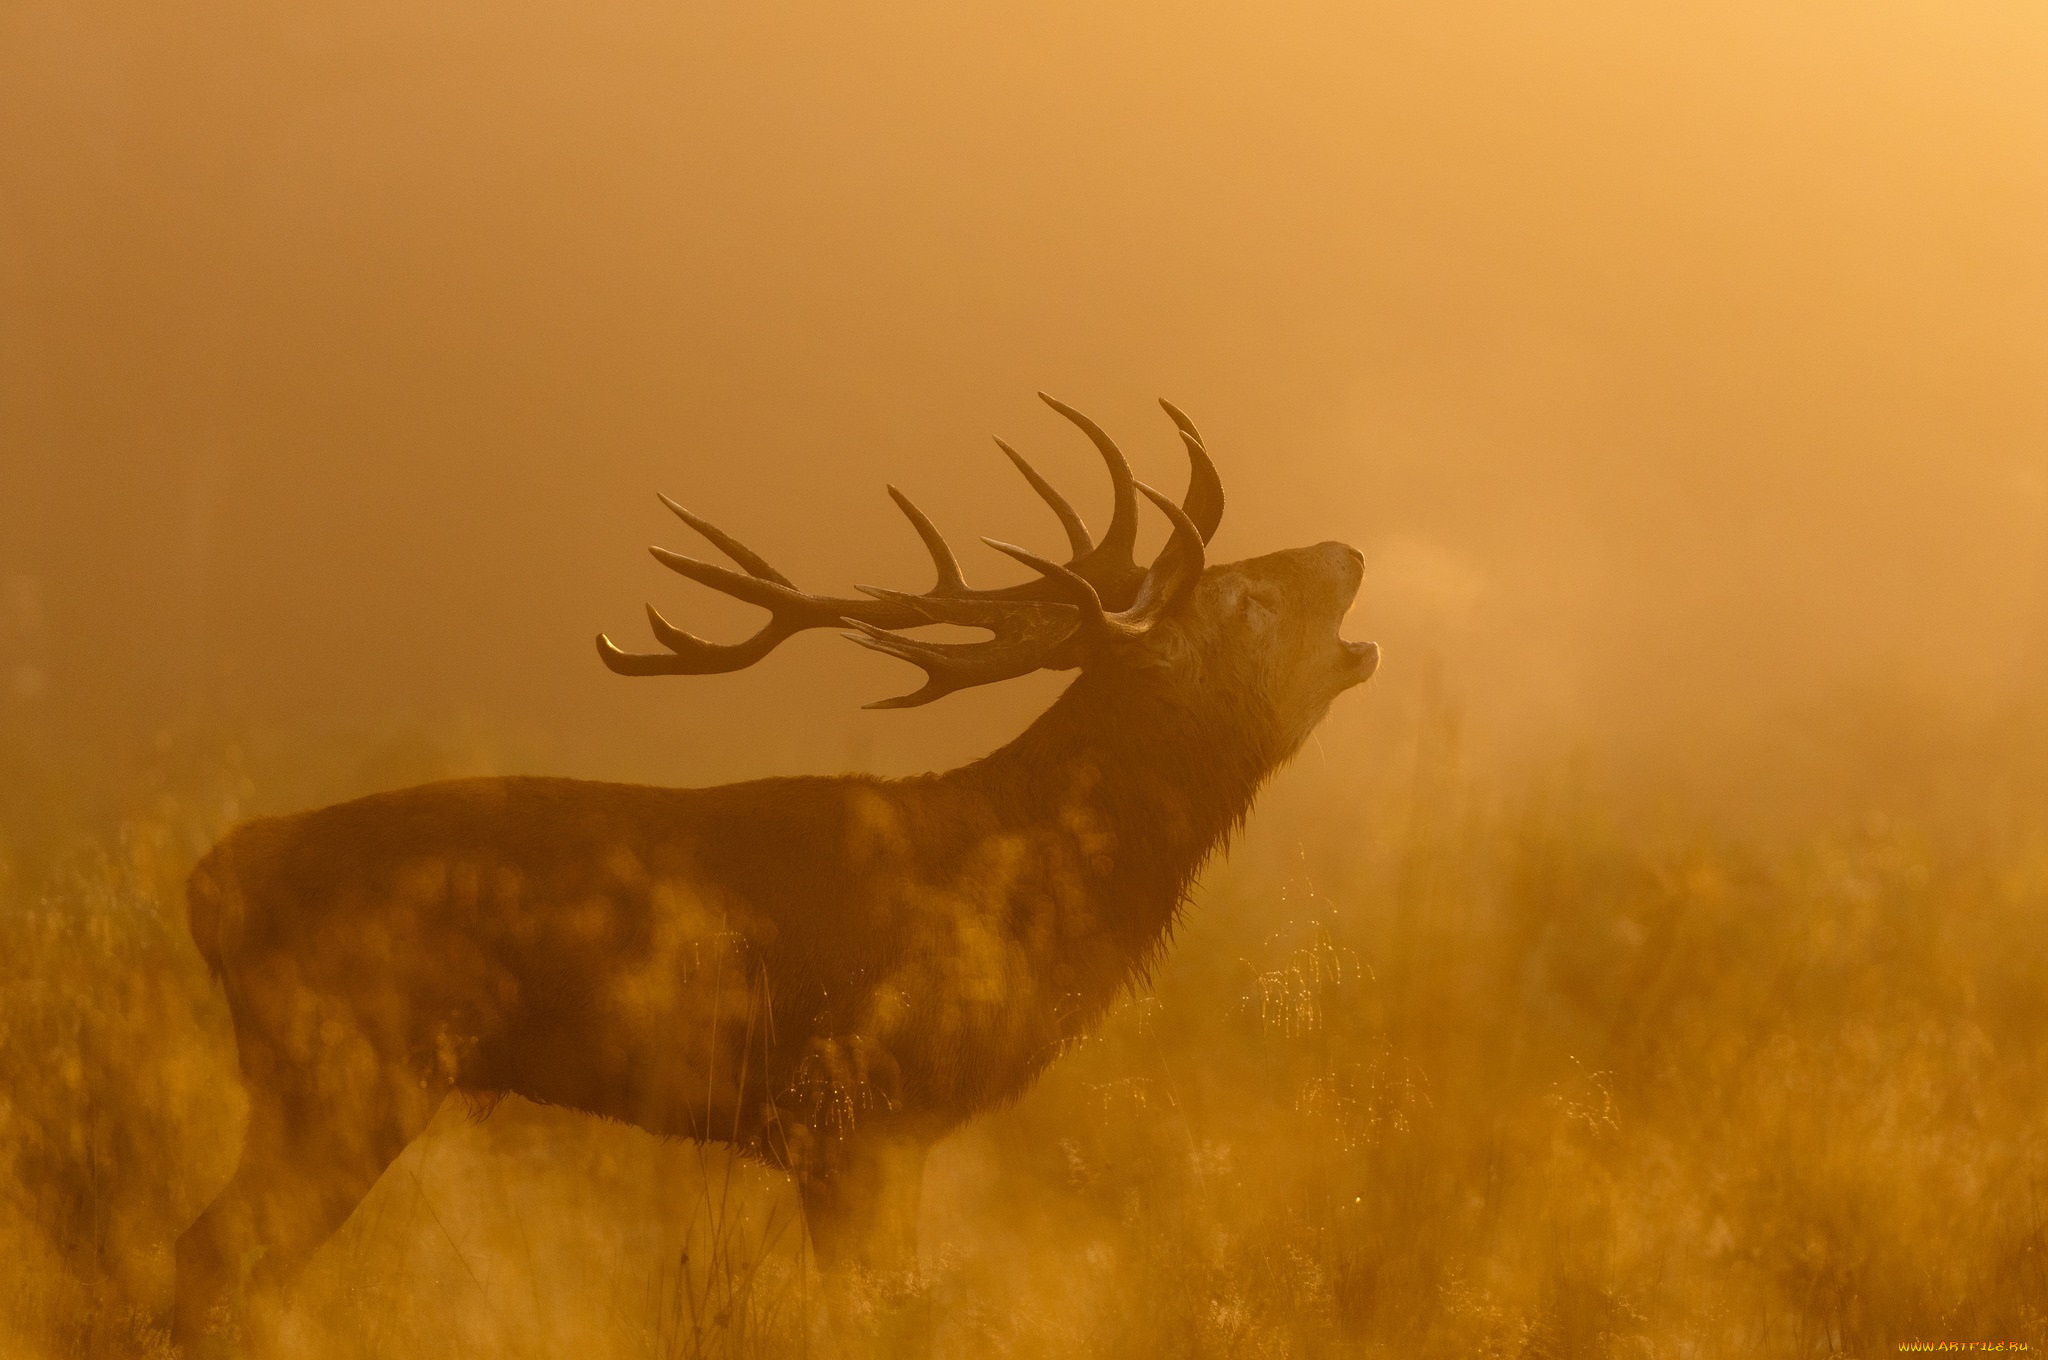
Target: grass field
1442,1065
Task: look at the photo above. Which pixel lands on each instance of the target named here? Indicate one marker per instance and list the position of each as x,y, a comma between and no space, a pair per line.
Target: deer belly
688,1057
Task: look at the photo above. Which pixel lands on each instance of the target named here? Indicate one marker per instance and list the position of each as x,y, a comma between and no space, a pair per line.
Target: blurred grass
1534,1068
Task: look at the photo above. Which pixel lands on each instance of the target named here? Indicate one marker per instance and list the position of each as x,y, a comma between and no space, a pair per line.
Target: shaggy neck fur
1135,777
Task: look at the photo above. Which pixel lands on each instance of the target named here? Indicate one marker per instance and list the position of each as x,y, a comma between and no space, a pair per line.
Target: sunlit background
1682,372
1674,369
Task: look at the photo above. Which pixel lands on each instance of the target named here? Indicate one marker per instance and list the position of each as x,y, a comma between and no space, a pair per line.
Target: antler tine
1204,501
676,639
1078,537
1109,565
950,580
1174,573
755,590
690,655
1029,636
1079,591
1180,419
791,610
739,552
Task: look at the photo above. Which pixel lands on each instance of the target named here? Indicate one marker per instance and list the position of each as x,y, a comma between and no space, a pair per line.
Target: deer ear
1250,605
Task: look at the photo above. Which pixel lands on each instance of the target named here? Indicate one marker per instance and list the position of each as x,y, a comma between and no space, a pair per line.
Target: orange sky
1671,370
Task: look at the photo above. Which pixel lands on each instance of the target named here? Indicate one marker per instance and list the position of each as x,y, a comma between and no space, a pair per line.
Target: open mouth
1360,658
1357,659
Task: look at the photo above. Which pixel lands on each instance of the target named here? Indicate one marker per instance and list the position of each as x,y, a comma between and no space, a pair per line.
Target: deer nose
1347,560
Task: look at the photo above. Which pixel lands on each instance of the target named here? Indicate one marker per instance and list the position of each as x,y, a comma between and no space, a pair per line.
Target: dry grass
1469,1075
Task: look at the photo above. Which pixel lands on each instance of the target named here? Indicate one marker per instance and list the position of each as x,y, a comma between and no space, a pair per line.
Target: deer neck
1125,785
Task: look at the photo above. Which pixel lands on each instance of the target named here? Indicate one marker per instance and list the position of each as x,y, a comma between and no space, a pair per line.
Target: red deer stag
827,972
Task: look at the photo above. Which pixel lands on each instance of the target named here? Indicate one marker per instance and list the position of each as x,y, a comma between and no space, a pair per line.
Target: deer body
829,973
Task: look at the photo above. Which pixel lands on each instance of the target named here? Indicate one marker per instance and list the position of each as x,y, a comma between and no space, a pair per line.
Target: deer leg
861,1209
211,1259
306,1163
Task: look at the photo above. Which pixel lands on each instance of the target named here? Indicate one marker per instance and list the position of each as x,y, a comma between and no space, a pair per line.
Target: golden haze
1680,374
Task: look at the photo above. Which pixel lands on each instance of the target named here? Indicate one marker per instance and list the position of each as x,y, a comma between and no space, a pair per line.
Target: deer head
1260,635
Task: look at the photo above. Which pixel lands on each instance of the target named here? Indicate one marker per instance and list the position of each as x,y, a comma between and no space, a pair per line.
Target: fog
1647,961
1674,371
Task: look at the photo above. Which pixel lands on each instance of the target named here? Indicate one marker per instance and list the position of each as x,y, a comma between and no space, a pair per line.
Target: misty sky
1670,369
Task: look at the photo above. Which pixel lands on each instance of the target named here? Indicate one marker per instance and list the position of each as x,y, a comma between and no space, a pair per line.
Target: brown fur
829,973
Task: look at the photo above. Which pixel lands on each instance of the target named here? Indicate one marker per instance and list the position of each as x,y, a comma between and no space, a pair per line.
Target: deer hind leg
860,1200
312,1152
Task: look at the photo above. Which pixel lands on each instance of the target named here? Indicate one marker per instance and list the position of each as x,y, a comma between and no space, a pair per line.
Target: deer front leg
323,1126
860,1204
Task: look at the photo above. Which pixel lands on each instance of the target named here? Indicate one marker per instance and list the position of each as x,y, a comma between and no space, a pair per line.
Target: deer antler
1036,625
1110,563
1204,501
1031,635
1172,575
